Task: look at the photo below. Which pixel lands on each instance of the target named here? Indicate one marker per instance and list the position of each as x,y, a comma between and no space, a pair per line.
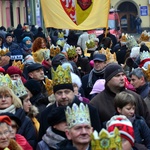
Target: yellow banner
75,14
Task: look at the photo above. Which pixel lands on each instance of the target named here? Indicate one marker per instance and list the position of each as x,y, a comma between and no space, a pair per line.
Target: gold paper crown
144,55
77,115
145,36
147,72
18,64
124,37
18,88
5,81
3,51
61,76
110,57
54,50
49,86
90,43
71,52
105,140
61,43
131,42
60,35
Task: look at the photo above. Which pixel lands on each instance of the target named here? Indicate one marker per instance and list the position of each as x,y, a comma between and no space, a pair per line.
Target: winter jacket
104,103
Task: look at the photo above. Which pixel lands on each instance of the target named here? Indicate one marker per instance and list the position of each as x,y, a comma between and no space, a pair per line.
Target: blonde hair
15,100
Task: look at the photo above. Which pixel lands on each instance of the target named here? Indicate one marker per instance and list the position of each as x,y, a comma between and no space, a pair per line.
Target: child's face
127,110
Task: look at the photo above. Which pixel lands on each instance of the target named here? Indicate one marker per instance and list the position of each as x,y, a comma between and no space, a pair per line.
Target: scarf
52,138
11,109
100,72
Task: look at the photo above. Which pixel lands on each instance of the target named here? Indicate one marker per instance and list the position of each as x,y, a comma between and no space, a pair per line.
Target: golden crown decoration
131,42
145,36
147,72
54,50
49,86
4,51
124,37
5,80
90,43
18,88
144,55
60,35
61,76
110,57
18,64
77,115
61,43
105,140
71,52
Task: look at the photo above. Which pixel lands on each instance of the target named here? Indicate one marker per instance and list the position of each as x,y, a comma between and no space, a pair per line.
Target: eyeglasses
4,96
5,133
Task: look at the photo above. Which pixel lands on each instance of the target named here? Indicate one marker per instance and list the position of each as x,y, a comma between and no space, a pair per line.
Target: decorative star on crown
61,76
18,88
145,36
60,35
54,50
3,51
144,55
90,44
71,52
5,81
18,64
49,86
110,57
77,115
105,140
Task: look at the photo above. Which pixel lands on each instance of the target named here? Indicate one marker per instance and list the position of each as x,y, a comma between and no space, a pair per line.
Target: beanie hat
76,79
99,86
26,39
33,86
124,125
13,70
5,119
2,70
111,70
8,34
57,116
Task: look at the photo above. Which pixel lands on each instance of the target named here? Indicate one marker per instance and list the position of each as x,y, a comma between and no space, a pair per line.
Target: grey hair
138,72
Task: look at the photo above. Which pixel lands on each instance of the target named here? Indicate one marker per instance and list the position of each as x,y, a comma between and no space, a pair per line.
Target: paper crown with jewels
124,37
90,44
145,36
49,86
60,35
5,80
71,52
105,140
61,43
146,71
77,115
18,64
144,55
110,57
131,42
18,88
61,76
3,51
54,50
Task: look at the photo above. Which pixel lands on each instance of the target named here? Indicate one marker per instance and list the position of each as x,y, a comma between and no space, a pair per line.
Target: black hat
33,86
13,117
33,67
57,115
8,34
111,70
99,57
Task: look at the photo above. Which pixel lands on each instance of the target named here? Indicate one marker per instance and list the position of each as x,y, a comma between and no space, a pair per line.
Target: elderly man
96,73
104,101
79,128
64,95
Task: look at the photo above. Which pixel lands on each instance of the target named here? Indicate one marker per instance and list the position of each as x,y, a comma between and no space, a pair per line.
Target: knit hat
33,86
111,70
57,116
124,125
13,70
2,70
99,86
33,67
26,39
8,34
5,119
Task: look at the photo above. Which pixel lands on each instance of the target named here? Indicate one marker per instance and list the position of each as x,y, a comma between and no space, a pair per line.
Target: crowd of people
73,92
